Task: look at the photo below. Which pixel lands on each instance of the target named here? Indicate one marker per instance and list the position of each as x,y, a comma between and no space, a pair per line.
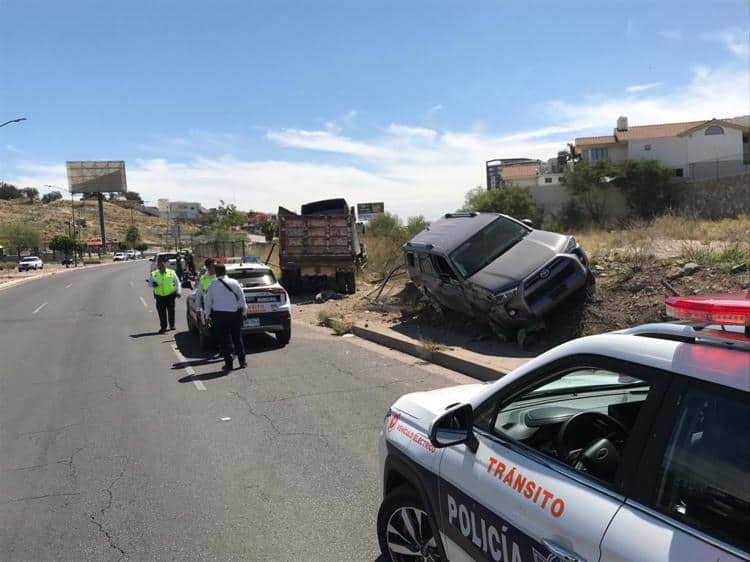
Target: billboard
107,176
366,211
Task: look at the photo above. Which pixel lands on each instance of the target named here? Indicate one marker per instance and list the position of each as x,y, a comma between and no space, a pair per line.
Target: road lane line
69,285
144,302
40,307
188,369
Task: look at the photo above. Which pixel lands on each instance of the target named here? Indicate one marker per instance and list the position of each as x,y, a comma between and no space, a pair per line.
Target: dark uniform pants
165,307
227,330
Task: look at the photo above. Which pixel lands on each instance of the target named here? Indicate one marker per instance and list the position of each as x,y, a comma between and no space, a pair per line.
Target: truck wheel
291,280
350,283
283,337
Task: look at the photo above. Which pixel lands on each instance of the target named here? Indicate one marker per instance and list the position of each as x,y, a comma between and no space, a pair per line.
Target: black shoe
171,328
162,330
227,366
243,364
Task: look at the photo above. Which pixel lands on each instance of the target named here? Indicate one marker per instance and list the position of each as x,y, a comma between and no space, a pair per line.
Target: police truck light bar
723,309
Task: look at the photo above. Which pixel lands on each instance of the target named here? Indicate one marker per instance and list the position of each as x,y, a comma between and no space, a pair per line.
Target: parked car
30,262
67,261
120,256
632,445
268,305
497,269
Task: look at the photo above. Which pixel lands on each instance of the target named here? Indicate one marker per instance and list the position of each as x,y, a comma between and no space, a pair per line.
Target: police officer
203,284
226,308
167,287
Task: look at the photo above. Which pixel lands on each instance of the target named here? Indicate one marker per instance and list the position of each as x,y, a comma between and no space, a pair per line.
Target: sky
281,102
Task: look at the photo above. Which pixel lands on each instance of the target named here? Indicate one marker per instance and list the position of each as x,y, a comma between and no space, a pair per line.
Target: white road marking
69,285
189,370
144,302
40,307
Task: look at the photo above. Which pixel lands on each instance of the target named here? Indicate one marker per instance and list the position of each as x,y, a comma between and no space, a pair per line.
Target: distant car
67,261
30,262
497,269
171,258
120,256
268,305
130,254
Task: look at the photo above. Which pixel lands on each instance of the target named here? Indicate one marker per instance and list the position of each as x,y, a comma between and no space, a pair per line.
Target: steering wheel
599,451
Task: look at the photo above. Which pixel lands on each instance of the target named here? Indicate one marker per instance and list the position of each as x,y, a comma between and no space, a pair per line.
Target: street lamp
13,121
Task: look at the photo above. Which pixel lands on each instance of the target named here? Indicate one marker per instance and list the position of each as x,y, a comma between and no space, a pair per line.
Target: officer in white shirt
225,307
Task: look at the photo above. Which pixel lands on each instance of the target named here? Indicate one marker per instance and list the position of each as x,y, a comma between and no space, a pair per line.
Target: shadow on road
204,376
145,334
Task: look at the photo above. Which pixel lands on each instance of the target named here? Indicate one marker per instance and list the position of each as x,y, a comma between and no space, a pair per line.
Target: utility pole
100,197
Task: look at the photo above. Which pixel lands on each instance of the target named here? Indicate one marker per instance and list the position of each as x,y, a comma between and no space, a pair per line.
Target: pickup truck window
442,267
487,245
425,265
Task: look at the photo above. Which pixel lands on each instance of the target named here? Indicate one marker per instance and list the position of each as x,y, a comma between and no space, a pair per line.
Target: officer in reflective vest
204,283
167,287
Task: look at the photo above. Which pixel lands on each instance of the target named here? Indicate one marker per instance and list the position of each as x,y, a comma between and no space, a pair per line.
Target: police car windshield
253,278
586,382
487,245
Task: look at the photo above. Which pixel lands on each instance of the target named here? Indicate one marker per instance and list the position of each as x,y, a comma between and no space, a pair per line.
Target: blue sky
268,103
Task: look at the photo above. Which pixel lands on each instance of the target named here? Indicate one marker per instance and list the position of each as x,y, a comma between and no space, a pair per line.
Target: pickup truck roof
449,232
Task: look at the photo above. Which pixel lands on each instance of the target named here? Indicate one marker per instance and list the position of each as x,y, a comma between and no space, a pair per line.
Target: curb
467,367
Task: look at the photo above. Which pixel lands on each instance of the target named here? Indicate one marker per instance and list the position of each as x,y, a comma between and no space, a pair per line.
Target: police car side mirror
453,427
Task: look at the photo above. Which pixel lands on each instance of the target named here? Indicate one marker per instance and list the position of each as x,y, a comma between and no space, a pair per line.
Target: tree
132,236
64,244
415,225
269,228
20,236
51,196
134,196
9,191
509,200
31,193
647,187
141,246
386,225
587,183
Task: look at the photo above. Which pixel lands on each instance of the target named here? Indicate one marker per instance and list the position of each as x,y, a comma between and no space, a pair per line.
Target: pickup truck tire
283,337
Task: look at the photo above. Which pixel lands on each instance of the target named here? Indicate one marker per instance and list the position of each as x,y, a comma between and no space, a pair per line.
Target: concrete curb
470,367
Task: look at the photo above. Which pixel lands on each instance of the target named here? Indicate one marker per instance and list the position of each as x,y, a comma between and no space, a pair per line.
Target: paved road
110,450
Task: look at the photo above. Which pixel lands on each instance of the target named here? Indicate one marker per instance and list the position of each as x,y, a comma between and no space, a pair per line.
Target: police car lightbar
251,259
721,309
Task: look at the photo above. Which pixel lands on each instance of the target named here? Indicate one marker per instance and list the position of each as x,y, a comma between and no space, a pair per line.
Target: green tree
587,183
647,187
20,236
141,246
132,236
9,191
386,225
51,196
415,225
509,200
269,228
64,244
31,193
134,196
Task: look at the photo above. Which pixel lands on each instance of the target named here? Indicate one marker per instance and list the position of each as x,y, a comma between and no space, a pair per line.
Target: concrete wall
714,199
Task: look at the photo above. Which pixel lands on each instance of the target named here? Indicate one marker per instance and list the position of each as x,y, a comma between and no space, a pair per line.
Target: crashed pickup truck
497,269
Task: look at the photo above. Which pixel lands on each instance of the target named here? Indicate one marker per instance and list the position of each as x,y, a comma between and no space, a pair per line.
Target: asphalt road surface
111,449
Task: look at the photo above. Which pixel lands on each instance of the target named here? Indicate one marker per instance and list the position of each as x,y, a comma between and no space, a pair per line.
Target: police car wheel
406,532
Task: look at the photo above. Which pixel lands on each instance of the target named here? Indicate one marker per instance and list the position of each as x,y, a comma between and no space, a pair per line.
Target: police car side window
704,480
572,417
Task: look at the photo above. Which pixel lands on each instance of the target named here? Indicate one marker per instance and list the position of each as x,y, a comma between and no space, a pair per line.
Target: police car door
693,502
507,496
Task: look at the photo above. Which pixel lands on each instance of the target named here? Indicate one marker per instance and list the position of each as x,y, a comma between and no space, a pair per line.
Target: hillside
54,218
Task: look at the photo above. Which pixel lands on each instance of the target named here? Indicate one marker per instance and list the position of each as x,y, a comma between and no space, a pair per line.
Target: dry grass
428,347
383,254
52,219
334,321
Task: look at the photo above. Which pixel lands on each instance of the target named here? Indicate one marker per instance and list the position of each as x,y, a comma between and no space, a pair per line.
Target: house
528,174
185,210
695,150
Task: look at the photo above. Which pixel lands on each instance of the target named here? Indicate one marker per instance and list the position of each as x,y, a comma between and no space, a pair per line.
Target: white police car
628,446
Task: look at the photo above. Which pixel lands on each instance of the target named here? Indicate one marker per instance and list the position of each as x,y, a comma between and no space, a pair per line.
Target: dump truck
320,248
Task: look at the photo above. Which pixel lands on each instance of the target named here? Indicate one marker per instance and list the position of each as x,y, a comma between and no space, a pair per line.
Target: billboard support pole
100,197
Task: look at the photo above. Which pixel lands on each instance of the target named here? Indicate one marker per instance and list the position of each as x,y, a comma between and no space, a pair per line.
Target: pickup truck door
448,289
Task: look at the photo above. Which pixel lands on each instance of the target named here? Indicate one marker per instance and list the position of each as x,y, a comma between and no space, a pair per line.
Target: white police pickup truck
628,446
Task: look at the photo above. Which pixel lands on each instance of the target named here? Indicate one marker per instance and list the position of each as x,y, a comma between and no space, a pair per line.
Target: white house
695,150
185,210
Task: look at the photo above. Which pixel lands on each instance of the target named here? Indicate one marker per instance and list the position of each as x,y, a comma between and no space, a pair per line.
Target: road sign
366,211
106,176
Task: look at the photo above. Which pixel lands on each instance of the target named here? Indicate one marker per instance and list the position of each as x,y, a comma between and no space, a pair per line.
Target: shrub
386,225
509,200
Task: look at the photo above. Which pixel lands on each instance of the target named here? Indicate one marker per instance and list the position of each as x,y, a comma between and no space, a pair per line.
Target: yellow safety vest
166,282
206,281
